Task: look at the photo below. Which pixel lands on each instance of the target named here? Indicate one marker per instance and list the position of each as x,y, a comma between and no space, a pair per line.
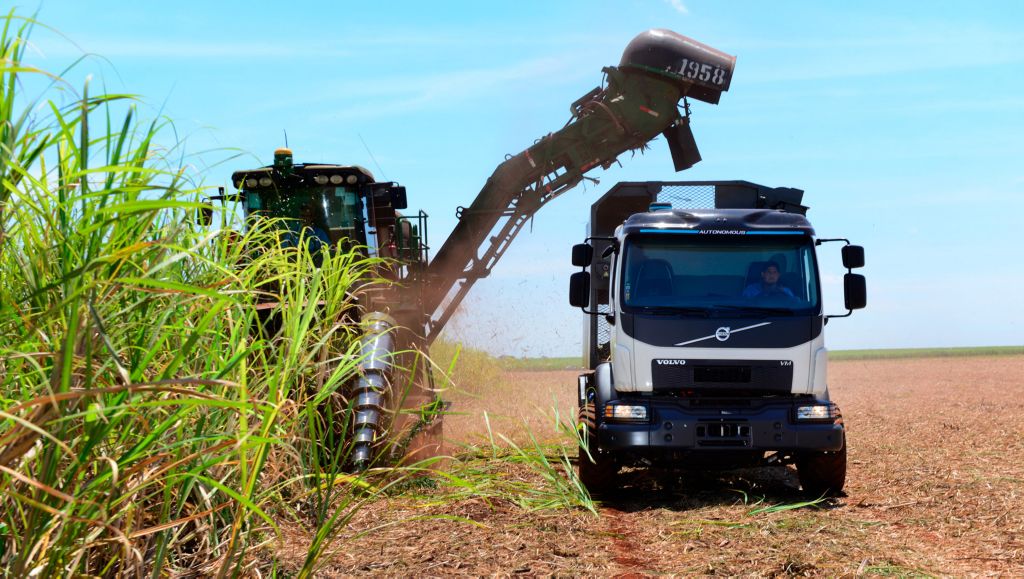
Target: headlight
818,413
336,179
320,179
265,181
618,412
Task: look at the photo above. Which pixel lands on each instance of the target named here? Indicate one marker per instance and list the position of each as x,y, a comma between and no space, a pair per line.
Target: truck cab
705,333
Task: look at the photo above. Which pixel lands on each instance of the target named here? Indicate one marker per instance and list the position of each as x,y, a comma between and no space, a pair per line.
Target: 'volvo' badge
722,334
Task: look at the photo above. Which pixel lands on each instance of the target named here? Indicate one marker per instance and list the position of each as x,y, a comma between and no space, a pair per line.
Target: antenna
286,138
370,153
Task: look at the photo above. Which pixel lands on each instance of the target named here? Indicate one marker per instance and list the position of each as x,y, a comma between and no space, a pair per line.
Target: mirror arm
614,246
820,241
846,315
848,270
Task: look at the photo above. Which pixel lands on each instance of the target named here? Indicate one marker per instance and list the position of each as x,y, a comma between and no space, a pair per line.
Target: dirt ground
935,487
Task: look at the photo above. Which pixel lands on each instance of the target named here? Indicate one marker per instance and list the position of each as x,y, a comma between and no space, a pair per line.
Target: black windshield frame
710,275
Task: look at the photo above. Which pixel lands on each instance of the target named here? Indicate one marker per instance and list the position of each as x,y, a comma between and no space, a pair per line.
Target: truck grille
733,374
722,377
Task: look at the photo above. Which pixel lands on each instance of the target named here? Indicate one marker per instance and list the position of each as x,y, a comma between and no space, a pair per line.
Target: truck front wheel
597,475
822,473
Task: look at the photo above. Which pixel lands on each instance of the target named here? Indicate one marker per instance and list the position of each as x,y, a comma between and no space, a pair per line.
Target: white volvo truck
704,333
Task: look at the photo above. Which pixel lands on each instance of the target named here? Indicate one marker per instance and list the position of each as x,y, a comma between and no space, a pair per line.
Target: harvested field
935,487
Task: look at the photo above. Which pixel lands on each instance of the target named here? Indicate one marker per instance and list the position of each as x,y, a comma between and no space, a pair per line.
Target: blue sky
902,121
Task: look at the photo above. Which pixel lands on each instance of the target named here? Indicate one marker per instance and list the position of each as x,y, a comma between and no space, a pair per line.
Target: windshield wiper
755,309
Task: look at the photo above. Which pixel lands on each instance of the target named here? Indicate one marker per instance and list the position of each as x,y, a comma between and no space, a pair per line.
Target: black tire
822,474
597,475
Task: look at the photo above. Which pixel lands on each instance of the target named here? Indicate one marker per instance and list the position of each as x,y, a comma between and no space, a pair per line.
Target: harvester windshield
701,273
328,214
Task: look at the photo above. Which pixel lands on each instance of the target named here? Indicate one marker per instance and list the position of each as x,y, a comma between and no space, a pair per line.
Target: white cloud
185,48
455,86
900,52
173,46
678,6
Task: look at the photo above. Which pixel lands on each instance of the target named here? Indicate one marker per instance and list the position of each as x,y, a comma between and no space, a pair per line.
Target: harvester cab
333,206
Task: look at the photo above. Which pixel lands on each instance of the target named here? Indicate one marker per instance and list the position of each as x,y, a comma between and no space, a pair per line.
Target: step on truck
704,333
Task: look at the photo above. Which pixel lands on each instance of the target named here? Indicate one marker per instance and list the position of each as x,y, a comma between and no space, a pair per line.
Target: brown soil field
935,487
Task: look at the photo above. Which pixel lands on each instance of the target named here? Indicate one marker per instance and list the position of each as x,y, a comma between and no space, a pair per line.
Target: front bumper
751,425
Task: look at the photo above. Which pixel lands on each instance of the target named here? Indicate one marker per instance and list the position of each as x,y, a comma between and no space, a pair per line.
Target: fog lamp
817,412
625,412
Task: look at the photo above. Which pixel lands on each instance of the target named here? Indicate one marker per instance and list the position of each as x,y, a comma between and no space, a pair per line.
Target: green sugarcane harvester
344,206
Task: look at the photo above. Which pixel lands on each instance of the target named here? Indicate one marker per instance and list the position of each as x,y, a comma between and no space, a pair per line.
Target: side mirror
582,255
855,290
398,197
579,288
391,194
853,256
204,216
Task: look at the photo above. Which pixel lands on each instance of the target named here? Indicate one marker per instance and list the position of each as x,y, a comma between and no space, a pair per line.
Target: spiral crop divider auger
373,386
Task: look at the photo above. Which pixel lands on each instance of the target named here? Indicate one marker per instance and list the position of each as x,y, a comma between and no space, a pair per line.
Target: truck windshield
742,274
328,214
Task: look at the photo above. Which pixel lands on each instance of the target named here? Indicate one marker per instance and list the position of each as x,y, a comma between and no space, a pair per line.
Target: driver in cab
769,284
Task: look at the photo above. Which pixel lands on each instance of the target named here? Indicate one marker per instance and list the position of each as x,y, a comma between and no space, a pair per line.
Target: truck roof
724,221
305,172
